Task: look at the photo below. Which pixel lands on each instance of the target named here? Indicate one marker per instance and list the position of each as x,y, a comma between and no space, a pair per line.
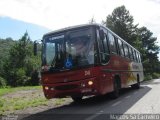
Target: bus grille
66,87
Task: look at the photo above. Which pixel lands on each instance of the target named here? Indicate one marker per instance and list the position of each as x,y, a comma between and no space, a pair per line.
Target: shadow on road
93,107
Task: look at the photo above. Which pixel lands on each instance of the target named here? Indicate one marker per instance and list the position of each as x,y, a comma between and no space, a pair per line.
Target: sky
15,29
55,14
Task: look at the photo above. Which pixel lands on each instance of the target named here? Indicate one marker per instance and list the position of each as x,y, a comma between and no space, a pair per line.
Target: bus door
104,78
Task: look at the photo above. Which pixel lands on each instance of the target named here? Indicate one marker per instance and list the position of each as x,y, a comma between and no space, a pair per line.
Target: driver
82,51
80,46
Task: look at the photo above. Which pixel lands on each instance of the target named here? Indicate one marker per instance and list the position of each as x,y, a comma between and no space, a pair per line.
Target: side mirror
101,34
35,48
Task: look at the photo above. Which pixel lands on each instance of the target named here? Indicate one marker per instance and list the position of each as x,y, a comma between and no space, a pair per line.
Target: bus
88,60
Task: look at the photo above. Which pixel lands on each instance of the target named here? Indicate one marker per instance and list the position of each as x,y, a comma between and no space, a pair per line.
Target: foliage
5,45
22,98
2,82
149,50
21,77
121,22
156,75
21,63
6,90
18,101
148,77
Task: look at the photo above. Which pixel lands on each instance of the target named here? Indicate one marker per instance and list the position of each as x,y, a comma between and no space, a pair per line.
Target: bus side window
126,50
120,47
134,55
117,46
123,45
112,43
106,46
138,57
101,45
104,51
130,52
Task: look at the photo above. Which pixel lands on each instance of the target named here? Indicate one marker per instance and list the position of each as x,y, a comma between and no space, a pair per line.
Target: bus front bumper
75,88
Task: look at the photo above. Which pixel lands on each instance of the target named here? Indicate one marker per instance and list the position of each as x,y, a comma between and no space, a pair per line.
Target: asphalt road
145,100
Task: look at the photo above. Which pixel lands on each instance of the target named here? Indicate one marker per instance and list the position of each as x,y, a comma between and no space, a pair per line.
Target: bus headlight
46,88
90,82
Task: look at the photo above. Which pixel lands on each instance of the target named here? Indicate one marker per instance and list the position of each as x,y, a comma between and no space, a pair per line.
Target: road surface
145,100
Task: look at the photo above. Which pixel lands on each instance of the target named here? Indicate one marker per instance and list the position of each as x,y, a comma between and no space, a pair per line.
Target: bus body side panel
117,66
127,71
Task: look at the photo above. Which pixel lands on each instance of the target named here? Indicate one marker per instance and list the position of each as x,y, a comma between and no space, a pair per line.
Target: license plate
86,90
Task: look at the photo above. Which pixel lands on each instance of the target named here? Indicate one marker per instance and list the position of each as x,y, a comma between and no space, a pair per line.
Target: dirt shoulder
28,102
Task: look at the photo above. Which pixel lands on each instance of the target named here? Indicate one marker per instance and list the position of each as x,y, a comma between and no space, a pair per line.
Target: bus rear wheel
115,93
76,99
137,85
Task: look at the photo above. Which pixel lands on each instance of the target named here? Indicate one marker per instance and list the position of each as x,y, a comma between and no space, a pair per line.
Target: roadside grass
13,99
59,101
11,103
8,89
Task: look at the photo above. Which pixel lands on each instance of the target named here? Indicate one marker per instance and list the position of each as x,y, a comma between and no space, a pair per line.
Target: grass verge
7,90
13,99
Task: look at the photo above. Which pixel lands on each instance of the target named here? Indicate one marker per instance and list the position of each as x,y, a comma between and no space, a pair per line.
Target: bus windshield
76,49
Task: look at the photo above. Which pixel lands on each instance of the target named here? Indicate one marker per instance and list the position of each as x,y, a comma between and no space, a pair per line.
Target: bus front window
74,51
80,48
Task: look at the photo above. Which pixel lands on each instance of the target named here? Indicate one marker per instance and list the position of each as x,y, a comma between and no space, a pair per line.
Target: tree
121,22
5,45
149,50
21,62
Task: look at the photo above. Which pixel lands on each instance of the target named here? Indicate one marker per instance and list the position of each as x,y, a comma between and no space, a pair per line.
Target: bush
155,75
148,77
20,77
2,82
1,103
35,78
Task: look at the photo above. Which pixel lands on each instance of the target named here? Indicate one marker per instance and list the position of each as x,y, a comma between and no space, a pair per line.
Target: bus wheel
76,99
115,93
137,85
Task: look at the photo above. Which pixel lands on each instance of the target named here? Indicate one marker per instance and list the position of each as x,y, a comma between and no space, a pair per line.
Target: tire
77,99
137,85
115,93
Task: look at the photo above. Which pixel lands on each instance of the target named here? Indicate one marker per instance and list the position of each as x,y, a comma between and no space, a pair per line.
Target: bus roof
70,27
85,25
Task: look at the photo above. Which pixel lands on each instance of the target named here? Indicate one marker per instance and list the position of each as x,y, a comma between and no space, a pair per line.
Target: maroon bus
88,60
